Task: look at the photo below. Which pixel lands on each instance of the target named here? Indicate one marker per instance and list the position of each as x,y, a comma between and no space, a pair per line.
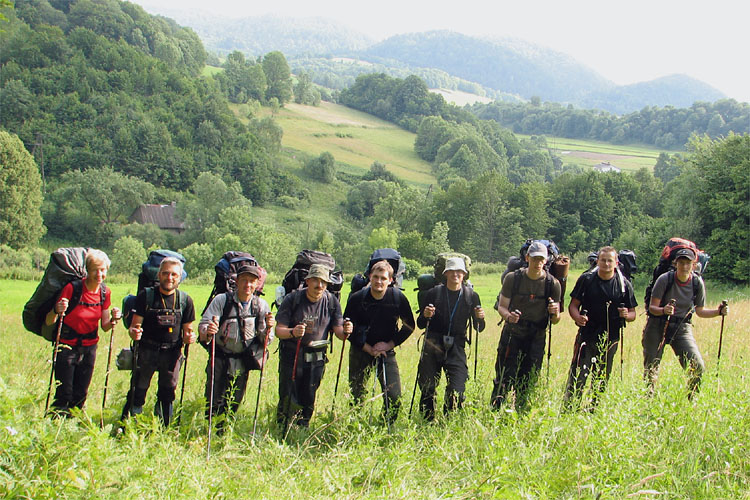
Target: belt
161,346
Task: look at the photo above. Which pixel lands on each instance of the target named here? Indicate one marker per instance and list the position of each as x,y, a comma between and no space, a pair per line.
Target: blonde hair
96,258
382,265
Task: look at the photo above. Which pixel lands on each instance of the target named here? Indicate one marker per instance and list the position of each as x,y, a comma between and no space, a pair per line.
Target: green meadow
355,140
632,446
591,153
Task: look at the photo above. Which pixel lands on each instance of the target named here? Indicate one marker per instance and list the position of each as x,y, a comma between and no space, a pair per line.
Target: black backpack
360,280
626,263
65,265
294,279
225,279
666,259
519,261
148,278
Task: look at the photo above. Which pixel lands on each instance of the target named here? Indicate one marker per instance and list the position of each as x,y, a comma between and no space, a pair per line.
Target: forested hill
103,83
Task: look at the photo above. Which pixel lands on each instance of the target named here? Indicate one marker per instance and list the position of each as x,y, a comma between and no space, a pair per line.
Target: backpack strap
75,297
516,286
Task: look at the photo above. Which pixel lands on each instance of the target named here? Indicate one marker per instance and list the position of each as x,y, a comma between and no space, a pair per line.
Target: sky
626,42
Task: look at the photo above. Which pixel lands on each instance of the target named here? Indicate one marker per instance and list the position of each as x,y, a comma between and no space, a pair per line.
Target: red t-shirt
84,319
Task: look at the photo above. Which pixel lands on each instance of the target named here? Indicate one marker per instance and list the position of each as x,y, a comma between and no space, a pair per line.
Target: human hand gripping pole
722,308
269,317
341,360
114,318
184,374
54,359
549,336
214,320
672,303
421,353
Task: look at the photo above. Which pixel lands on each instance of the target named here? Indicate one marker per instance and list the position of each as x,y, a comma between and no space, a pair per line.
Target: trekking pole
260,382
607,344
106,376
421,354
724,303
386,402
622,341
294,386
338,373
549,340
54,360
476,343
214,319
672,302
182,389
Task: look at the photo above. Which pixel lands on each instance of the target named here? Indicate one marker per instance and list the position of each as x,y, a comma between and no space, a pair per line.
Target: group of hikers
238,325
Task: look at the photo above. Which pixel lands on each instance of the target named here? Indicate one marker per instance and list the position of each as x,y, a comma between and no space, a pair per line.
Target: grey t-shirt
682,292
319,317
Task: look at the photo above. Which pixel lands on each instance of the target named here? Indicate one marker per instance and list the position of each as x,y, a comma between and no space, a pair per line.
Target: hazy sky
626,42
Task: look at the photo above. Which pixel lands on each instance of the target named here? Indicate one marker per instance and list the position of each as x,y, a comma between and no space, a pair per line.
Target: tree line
667,127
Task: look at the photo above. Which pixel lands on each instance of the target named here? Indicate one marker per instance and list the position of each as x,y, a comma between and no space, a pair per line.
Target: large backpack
65,265
149,277
294,279
225,279
519,261
666,260
360,280
425,282
626,263
557,265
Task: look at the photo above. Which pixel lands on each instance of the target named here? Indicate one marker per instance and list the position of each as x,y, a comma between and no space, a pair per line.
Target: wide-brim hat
455,264
319,271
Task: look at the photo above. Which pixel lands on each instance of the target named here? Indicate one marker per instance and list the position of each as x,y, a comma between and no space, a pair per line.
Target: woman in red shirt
84,303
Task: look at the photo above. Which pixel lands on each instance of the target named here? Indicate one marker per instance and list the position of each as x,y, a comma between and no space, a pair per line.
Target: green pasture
590,153
631,447
355,140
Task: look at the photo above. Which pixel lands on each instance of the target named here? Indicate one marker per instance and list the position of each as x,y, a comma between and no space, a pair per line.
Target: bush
199,258
127,256
413,268
14,258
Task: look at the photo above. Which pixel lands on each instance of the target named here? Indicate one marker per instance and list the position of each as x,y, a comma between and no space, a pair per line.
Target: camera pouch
124,359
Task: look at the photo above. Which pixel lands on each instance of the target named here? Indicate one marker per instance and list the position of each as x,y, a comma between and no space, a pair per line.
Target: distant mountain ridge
502,65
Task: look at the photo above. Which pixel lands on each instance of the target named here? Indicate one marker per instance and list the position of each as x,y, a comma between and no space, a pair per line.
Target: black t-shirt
164,309
441,323
594,293
377,320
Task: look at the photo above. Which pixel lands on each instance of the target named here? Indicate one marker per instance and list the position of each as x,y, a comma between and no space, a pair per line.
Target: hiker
670,323
607,298
242,321
524,304
303,321
162,322
375,312
85,304
450,307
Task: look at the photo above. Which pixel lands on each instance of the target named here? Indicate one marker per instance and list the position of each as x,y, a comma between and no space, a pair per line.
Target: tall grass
632,446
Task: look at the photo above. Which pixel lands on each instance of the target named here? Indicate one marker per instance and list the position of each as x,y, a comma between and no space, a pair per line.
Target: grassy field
631,447
355,140
590,153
